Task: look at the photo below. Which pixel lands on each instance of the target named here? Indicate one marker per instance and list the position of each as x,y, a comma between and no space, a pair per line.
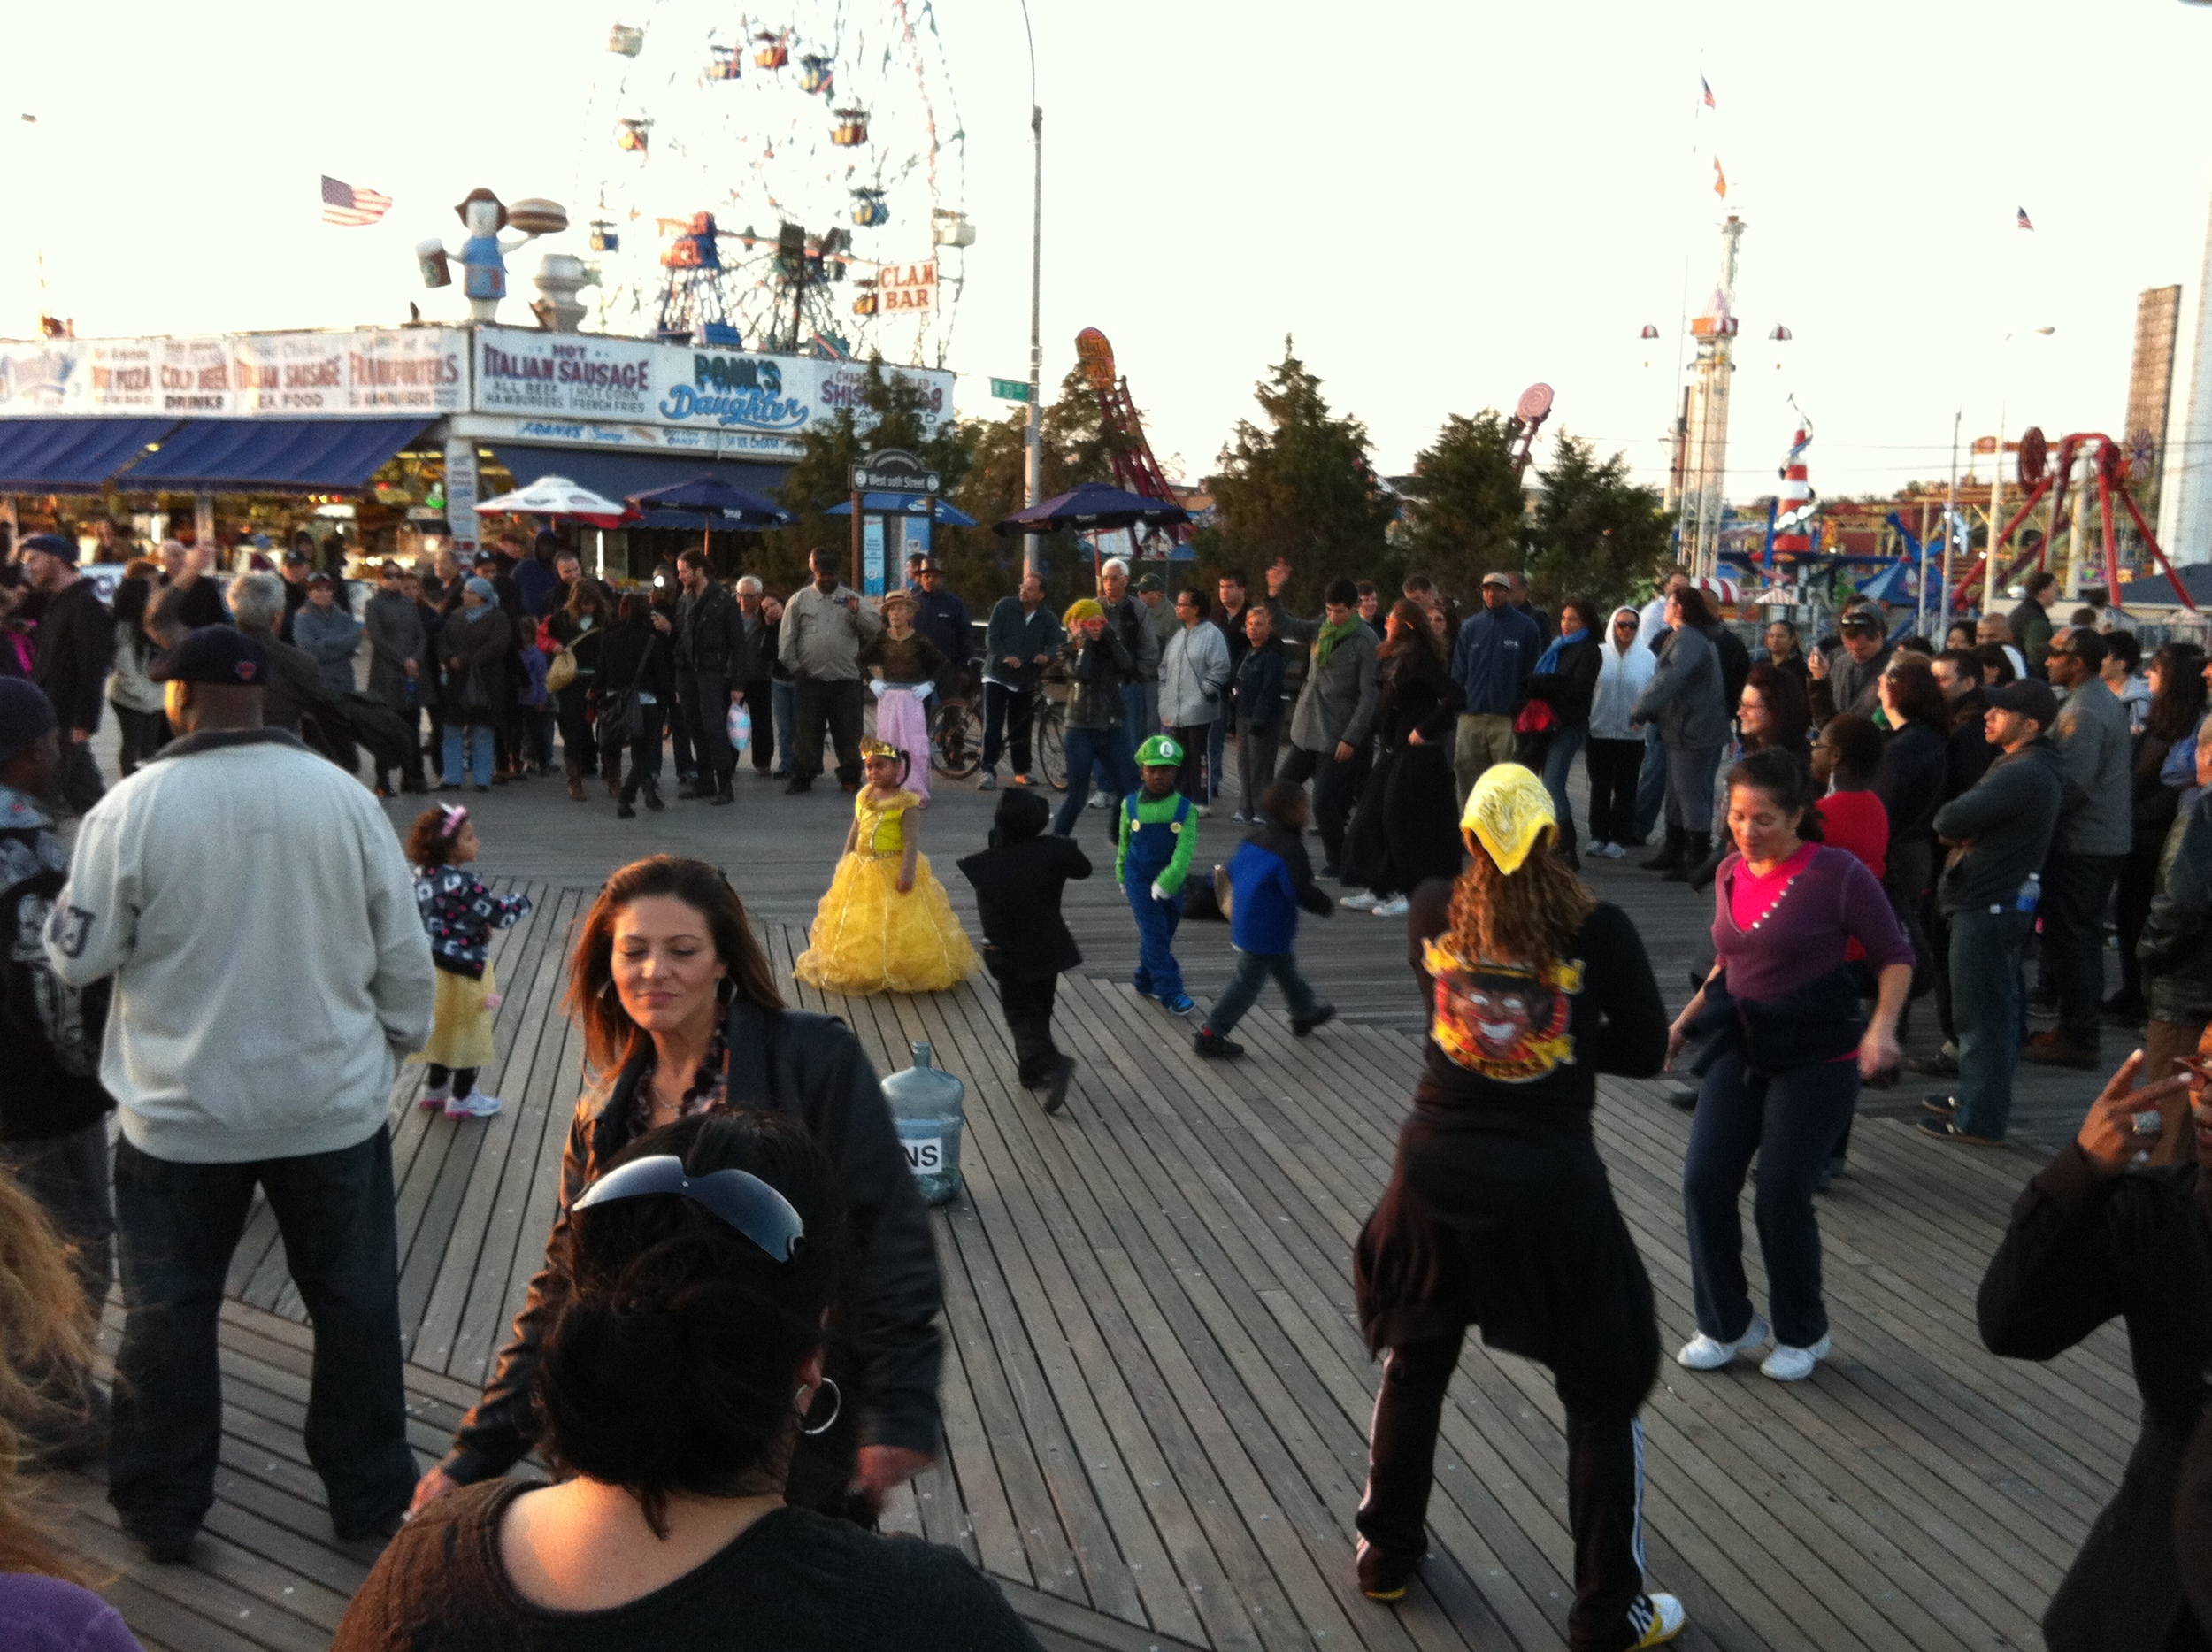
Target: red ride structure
1134,468
2108,464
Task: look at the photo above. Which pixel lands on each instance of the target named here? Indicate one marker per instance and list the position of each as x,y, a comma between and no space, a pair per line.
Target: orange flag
1720,180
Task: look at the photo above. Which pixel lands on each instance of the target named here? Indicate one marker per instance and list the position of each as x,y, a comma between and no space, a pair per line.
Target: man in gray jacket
252,1045
1686,701
824,626
1999,831
2095,832
1335,714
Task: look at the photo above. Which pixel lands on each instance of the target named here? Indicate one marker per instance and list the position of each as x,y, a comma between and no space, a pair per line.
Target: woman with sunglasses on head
680,1014
686,1367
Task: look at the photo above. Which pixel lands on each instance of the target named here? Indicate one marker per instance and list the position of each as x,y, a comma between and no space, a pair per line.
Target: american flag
342,204
2020,217
1707,86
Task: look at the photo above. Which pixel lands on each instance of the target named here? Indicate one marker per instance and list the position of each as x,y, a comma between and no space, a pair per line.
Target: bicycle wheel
956,749
1051,752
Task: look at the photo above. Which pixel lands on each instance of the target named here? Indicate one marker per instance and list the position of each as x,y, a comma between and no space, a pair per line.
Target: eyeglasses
737,1198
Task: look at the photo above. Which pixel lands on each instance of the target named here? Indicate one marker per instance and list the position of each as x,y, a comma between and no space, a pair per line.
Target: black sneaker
624,811
1331,872
1682,1100
1938,1105
797,788
1211,1045
167,1545
1384,1577
1321,1017
1056,1093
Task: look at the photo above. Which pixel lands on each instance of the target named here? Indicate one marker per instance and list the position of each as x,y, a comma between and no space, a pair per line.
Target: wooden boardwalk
1156,1396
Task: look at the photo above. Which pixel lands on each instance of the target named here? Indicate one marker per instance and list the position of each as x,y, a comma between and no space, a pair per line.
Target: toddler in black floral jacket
460,914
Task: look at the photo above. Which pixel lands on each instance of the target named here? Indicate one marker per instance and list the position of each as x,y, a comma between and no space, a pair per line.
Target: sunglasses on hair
737,1198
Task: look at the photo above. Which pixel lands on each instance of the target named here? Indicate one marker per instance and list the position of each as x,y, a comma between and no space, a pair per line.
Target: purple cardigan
1834,899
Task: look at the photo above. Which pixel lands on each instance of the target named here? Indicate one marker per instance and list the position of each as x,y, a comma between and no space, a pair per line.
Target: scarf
481,611
1549,662
1331,634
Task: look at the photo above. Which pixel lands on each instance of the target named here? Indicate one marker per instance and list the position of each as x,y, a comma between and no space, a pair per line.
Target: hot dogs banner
381,371
578,389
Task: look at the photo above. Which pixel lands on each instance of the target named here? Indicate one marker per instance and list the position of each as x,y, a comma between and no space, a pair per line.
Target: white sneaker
1795,1364
1614,852
1365,901
1396,906
989,782
1657,1618
1098,801
1705,1353
475,1105
434,1099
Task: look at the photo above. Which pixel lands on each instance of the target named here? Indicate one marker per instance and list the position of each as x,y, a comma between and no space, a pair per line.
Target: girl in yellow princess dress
886,924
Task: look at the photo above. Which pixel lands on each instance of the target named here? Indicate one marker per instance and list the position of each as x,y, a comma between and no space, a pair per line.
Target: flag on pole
1720,180
1707,87
2020,217
342,204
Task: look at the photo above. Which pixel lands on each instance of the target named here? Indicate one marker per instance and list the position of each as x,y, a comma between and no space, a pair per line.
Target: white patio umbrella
554,495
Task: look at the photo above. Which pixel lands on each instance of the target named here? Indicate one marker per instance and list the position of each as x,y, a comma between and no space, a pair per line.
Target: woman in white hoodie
1616,751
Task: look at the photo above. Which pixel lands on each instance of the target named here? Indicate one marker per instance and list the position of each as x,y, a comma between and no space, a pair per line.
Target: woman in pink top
1781,1024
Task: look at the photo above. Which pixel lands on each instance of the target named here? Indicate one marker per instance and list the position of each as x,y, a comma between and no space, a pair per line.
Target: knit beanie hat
26,713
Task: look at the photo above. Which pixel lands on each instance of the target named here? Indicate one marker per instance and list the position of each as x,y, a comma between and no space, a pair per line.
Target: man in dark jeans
2095,831
75,646
712,663
1999,832
221,1095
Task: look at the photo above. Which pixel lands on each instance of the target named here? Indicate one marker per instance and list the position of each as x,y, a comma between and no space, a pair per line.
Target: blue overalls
1151,845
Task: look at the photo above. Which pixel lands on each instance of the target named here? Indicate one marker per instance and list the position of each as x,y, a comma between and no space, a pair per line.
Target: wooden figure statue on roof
483,257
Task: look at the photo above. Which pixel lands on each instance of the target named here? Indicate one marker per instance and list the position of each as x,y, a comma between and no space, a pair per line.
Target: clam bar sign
755,402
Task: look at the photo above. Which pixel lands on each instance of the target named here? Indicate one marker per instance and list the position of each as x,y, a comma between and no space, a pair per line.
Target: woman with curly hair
1499,1214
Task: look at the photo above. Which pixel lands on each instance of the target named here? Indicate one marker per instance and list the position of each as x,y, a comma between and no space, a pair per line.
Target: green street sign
1011,389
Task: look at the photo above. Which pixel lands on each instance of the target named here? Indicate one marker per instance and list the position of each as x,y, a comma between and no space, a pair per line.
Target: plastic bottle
2031,893
740,727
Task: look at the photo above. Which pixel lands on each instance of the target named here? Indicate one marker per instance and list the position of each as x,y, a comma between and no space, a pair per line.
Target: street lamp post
1034,437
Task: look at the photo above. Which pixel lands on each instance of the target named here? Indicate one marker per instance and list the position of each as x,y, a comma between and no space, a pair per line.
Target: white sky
1443,202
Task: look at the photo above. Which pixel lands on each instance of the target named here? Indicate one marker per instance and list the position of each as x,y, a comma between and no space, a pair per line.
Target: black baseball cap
221,655
51,545
2029,697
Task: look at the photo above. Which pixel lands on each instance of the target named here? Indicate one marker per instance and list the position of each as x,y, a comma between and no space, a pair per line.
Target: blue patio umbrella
716,503
946,514
1093,505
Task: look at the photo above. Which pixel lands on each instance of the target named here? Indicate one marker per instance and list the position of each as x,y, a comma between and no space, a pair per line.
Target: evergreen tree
1596,534
1465,508
1302,488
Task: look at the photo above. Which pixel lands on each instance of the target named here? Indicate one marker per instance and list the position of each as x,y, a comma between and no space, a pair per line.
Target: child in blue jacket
1271,879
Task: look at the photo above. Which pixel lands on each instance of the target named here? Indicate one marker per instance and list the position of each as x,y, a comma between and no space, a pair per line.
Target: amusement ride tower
1705,432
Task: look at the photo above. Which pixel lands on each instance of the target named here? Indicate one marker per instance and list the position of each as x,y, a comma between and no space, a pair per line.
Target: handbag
476,694
560,669
1535,717
621,718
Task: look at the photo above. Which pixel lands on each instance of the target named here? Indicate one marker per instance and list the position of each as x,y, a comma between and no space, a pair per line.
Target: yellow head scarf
1083,608
1507,812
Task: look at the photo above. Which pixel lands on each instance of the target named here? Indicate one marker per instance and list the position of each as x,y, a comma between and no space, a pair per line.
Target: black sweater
628,646
75,648
791,1581
49,1084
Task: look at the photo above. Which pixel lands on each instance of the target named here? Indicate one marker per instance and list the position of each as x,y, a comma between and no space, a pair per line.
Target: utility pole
1033,438
1950,521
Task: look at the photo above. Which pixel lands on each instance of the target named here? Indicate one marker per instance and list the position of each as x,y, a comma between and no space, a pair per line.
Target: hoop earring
607,991
837,1407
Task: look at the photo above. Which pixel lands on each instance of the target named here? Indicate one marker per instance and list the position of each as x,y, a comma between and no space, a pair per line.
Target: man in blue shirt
1495,651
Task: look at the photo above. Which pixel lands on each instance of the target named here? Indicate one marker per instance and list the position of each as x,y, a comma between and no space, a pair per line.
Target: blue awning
71,455
617,474
272,455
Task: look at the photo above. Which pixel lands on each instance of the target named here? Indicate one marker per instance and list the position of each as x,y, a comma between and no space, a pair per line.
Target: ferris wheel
789,181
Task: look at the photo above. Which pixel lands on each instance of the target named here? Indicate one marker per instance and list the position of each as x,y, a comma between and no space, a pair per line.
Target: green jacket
1152,812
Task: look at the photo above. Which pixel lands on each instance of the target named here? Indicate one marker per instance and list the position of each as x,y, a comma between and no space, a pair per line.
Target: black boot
722,791
1695,846
653,794
1670,857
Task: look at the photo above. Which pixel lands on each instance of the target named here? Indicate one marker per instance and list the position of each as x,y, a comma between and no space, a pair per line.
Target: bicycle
1048,742
956,741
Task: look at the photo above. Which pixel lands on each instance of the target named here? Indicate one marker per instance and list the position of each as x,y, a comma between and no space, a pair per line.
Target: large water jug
926,1105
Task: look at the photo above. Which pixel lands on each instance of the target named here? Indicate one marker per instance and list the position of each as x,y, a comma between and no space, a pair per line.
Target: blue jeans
176,1226
787,715
1989,1012
1158,974
1136,728
1791,1121
1107,750
1558,762
1253,968
477,750
1651,784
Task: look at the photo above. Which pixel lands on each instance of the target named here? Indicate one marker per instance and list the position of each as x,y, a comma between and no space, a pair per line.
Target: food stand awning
617,475
40,456
272,455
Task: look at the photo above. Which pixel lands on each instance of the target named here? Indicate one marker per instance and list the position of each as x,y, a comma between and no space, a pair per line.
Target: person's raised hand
1817,663
2108,1139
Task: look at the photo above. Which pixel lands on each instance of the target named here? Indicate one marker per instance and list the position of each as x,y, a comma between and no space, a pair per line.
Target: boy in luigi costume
1159,833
